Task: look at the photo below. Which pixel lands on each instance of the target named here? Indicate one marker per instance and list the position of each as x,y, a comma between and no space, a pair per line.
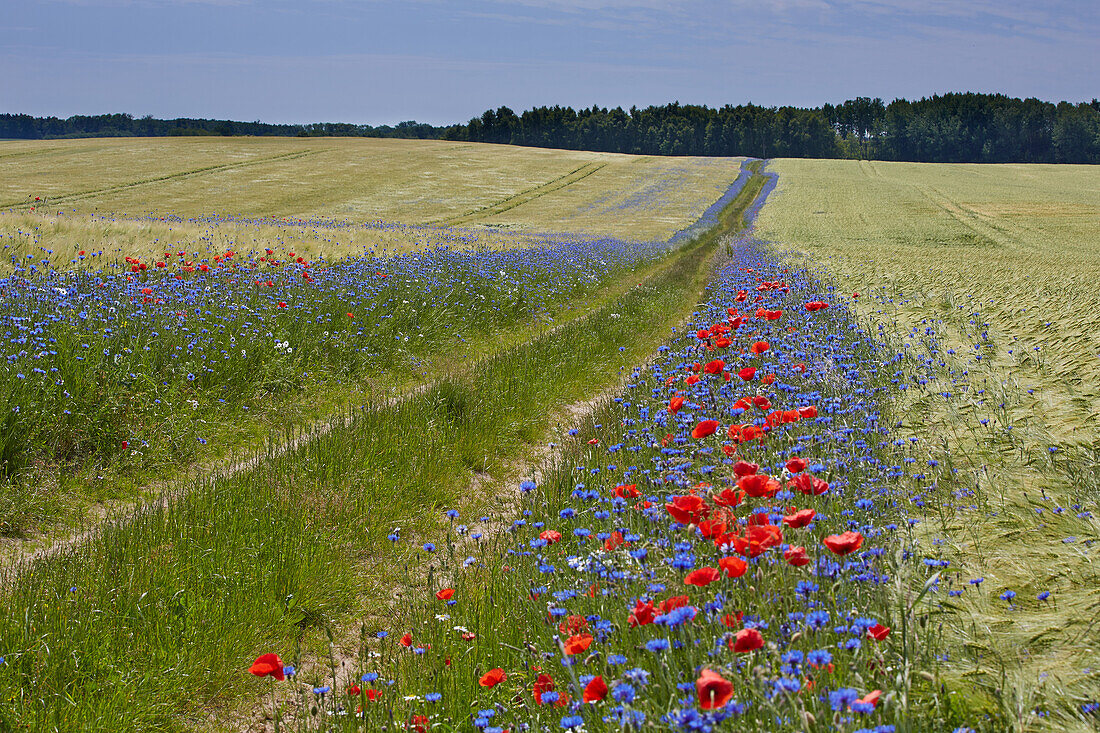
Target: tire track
523,197
78,195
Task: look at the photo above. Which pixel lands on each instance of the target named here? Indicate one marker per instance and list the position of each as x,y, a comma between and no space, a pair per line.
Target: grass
362,180
152,387
983,277
258,558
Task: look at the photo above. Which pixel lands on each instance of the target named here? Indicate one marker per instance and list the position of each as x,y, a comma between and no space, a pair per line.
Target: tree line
949,128
26,127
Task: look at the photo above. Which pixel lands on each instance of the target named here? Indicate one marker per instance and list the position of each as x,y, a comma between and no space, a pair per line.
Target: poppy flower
871,698
373,695
544,684
705,428
627,491
808,412
761,402
796,556
729,498
747,373
406,640
688,509
759,347
268,665
747,640
573,625
693,379
735,567
758,485
446,594
845,543
744,468
878,632
808,485
713,690
702,577
577,644
614,542
492,678
799,519
642,615
550,536
796,465
595,690
675,404
354,690
125,444
714,367
418,723
733,620
722,342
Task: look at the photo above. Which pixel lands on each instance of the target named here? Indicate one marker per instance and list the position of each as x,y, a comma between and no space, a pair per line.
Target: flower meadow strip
132,364
729,548
141,626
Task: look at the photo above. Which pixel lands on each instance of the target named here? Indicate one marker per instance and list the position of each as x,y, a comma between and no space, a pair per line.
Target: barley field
360,181
984,276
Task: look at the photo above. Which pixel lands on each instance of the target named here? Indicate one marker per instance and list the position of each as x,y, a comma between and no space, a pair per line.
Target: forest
949,128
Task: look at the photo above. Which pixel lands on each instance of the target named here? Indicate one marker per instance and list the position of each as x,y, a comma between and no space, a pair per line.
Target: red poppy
735,567
577,644
268,665
642,615
671,604
842,544
759,347
406,640
573,625
614,542
747,640
627,491
808,412
446,594
871,698
713,690
761,402
796,556
675,404
702,577
373,695
418,723
729,498
705,428
747,373
545,683
744,468
714,367
758,485
878,632
733,620
796,465
799,519
492,678
809,485
354,690
125,444
550,536
688,509
693,379
595,690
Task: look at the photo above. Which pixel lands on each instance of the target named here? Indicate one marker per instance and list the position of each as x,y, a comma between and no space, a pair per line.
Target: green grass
146,624
1005,257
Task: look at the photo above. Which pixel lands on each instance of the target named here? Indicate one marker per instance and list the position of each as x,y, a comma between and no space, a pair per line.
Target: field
365,180
570,441
984,276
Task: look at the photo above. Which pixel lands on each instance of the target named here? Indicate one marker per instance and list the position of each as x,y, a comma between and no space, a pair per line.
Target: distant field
986,276
364,180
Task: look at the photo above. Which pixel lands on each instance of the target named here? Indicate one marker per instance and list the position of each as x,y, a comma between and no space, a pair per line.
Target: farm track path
533,463
15,552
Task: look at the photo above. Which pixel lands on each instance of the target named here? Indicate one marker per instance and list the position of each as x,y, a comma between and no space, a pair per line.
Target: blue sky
383,61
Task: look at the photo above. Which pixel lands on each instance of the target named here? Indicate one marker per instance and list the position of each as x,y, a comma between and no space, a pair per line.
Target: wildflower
595,690
268,665
713,690
747,640
493,677
843,544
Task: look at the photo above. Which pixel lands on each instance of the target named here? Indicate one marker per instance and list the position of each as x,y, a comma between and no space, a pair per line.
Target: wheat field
985,277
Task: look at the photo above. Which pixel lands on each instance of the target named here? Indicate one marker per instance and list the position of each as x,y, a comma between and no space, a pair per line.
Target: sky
438,61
